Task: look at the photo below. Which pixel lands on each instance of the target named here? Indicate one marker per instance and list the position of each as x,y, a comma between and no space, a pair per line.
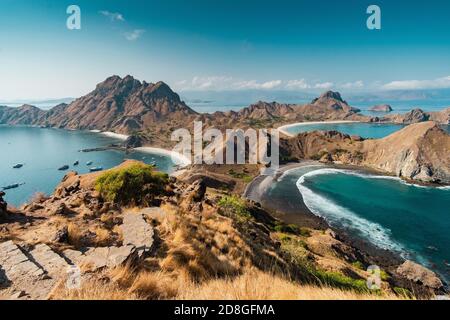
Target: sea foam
339,216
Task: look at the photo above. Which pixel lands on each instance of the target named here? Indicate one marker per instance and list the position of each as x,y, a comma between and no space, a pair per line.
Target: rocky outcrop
3,206
133,141
24,115
420,275
418,115
381,108
417,152
117,104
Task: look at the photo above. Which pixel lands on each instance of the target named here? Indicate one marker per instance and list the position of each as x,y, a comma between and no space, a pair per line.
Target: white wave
339,216
289,171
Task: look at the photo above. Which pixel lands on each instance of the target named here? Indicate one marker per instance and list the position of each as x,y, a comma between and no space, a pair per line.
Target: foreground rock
420,275
102,257
3,206
22,275
137,232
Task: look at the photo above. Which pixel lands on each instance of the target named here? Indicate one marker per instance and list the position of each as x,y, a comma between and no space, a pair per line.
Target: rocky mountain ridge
417,152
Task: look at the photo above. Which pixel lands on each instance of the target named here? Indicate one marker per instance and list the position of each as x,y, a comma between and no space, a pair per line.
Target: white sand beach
114,135
177,158
282,129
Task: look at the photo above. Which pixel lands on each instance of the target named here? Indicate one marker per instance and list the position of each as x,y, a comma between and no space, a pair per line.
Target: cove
410,220
44,150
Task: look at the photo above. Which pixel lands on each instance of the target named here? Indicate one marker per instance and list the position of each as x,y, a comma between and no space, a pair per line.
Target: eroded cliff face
418,152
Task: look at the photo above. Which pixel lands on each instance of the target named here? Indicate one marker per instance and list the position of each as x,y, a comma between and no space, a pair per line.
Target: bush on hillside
138,184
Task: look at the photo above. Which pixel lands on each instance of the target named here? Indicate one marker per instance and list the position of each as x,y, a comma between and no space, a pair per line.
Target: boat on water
18,166
95,169
63,168
12,186
89,163
76,163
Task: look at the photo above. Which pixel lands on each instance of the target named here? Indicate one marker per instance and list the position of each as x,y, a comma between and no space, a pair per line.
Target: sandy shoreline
298,213
283,128
177,158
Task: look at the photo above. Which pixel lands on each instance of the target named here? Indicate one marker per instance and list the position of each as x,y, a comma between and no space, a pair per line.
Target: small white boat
89,163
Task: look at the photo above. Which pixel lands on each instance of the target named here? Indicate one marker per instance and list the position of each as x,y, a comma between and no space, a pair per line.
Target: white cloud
297,84
134,35
439,83
353,85
114,16
253,84
324,85
229,83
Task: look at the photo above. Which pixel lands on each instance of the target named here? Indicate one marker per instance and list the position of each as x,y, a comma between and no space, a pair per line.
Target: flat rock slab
49,260
137,232
21,274
101,257
15,264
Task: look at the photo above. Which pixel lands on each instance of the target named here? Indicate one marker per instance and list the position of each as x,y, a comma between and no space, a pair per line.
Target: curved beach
297,124
177,158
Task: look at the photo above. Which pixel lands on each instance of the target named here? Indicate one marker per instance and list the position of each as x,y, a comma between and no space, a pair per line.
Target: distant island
381,108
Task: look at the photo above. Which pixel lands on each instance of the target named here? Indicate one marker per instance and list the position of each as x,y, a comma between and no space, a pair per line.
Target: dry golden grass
75,235
93,290
251,285
257,285
102,237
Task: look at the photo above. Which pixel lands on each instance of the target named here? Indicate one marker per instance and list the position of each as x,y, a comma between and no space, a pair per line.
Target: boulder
419,274
196,191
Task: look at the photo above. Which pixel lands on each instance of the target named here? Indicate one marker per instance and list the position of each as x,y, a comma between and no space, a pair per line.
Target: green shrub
403,292
137,184
234,207
337,280
358,265
291,228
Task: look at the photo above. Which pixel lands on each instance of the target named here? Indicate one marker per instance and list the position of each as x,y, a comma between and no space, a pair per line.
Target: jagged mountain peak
329,95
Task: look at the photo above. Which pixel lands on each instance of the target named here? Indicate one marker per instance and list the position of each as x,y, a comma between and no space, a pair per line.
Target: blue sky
223,45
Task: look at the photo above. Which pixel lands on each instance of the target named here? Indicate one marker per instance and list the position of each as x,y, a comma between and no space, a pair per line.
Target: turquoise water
43,151
411,220
365,130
